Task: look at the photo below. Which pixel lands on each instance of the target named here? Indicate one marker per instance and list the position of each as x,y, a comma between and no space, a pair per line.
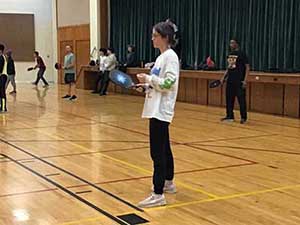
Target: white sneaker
152,201
169,187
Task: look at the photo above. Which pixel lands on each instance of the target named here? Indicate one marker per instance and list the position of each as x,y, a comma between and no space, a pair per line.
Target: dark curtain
268,30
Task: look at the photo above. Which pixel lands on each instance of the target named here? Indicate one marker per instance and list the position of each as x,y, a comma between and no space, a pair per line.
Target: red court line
218,153
85,153
127,179
230,139
177,173
254,149
133,131
261,121
28,192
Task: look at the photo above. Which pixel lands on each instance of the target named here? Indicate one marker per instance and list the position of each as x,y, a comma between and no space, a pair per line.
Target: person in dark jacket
42,68
3,79
131,59
11,72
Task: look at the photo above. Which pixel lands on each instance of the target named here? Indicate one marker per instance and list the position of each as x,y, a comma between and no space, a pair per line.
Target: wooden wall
79,38
270,93
104,23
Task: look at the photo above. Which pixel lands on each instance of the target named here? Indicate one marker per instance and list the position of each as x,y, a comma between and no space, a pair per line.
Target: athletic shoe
34,83
46,86
243,121
73,98
227,119
152,201
169,187
67,96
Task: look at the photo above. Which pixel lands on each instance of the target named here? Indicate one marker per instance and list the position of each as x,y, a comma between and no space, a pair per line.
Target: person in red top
42,68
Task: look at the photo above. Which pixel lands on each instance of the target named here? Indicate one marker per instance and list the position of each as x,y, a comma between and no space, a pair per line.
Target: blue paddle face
121,79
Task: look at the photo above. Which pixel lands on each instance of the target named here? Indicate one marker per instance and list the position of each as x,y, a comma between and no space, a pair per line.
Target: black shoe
101,94
66,96
227,119
73,98
94,92
243,121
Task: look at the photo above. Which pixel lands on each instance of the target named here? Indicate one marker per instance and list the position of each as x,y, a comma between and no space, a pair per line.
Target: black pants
161,154
104,83
40,75
98,82
234,90
3,80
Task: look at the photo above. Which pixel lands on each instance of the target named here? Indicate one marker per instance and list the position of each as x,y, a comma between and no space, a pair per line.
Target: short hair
37,53
111,49
103,50
132,47
166,30
2,47
236,40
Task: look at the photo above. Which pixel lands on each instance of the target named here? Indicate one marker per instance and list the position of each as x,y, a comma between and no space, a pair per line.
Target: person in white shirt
110,64
102,68
159,109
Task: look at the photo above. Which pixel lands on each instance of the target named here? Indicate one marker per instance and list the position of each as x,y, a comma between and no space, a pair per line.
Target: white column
54,36
95,26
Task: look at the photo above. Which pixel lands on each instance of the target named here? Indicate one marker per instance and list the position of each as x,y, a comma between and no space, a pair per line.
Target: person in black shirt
236,76
131,59
11,72
42,68
3,79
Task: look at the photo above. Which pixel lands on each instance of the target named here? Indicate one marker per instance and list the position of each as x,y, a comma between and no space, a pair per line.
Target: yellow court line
253,193
140,169
148,172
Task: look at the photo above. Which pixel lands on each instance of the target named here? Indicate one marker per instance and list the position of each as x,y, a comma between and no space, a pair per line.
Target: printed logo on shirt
155,71
232,61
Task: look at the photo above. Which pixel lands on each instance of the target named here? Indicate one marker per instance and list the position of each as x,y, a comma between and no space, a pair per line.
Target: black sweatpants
40,75
3,80
98,82
161,154
104,83
234,90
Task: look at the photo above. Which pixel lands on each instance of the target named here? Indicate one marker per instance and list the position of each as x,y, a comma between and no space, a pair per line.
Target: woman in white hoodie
159,109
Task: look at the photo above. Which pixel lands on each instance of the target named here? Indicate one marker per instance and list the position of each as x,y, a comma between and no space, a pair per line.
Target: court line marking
251,149
28,192
72,175
126,179
230,139
120,161
66,191
148,172
219,153
226,197
259,121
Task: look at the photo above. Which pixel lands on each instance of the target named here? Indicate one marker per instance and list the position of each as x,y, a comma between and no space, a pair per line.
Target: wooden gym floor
86,163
